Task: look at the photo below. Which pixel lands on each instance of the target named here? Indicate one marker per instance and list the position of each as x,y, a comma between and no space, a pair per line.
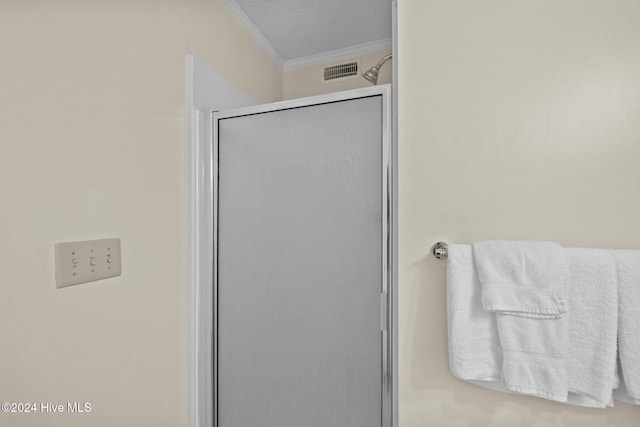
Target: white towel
593,322
475,351
522,278
533,351
523,282
474,348
475,354
628,263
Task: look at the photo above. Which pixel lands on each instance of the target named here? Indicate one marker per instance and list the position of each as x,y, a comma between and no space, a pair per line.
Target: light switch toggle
93,261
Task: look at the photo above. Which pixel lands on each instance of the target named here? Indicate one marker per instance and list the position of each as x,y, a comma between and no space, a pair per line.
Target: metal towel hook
440,250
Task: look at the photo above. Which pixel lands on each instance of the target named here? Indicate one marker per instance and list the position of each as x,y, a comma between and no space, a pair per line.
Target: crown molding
338,54
249,25
305,61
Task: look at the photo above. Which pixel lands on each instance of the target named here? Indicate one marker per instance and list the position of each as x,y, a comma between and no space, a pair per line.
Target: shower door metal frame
389,349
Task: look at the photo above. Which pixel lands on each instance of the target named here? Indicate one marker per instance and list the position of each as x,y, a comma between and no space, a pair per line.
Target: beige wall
518,120
93,143
308,81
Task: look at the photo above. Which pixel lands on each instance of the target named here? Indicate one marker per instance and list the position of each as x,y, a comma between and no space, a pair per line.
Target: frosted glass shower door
302,263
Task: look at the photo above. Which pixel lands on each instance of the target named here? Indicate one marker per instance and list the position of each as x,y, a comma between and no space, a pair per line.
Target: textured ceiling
298,28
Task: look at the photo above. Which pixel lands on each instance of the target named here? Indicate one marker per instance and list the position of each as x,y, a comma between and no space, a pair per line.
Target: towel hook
440,250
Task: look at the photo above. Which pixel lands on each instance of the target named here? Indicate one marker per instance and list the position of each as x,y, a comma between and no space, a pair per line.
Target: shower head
372,73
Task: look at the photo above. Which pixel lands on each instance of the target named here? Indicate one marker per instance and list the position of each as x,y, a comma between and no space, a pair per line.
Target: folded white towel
628,263
593,323
534,350
474,348
577,374
475,352
521,278
523,283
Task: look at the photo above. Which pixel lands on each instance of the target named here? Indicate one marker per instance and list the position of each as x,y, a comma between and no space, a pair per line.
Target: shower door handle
386,359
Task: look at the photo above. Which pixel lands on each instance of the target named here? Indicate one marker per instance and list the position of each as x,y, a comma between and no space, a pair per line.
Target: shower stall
303,262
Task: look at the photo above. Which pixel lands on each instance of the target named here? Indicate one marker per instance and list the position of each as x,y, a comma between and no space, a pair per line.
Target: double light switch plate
86,261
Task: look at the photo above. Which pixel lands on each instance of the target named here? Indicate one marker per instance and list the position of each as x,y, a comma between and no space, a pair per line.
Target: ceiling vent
341,71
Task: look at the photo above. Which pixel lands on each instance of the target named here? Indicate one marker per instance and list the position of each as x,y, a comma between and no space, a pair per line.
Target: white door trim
207,89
